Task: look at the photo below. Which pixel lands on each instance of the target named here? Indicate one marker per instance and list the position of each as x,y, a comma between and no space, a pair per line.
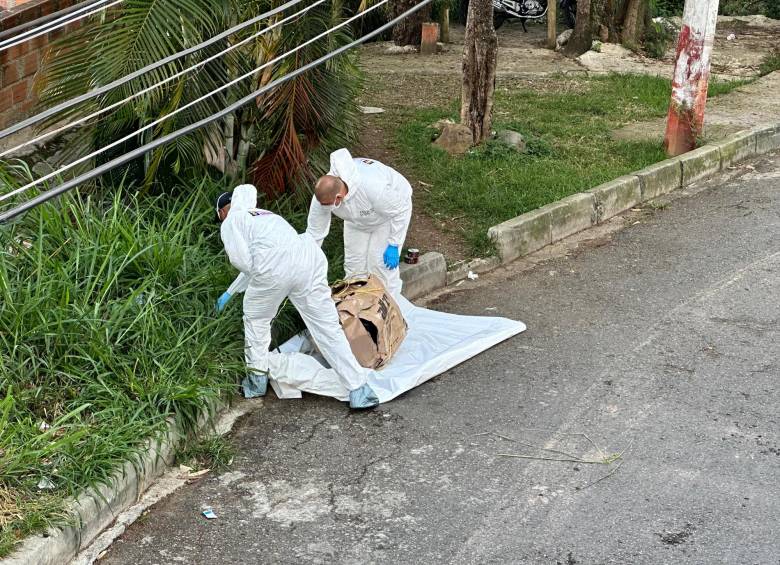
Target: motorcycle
505,10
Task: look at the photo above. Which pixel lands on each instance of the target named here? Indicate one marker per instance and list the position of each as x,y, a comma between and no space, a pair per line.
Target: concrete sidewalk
660,342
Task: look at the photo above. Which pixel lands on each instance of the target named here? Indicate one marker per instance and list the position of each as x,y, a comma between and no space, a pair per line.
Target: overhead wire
43,20
36,182
129,156
65,20
166,80
54,110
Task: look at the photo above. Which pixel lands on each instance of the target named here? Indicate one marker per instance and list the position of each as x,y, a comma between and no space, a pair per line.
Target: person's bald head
329,190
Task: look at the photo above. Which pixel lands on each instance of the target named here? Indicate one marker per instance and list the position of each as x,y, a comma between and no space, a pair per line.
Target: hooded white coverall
276,262
376,213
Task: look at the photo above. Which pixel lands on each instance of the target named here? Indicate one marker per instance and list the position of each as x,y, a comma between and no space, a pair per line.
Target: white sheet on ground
436,342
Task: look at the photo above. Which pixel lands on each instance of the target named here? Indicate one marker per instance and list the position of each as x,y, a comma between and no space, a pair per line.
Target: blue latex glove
255,385
391,257
223,300
362,398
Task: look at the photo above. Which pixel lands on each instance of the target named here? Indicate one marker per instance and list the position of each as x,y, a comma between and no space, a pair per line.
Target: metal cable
158,121
40,22
110,165
135,74
158,84
67,20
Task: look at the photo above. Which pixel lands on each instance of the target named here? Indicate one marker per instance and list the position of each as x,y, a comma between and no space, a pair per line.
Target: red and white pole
691,73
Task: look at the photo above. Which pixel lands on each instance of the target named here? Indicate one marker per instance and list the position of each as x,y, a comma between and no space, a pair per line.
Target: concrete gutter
98,508
529,232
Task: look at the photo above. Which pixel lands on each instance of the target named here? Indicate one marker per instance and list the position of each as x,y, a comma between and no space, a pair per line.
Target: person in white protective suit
375,202
275,262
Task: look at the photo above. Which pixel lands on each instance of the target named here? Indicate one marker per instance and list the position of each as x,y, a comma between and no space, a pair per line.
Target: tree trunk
607,18
582,37
632,24
480,52
409,30
445,25
621,21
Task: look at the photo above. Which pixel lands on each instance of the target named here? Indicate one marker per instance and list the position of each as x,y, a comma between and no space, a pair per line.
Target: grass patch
570,149
214,452
770,63
22,514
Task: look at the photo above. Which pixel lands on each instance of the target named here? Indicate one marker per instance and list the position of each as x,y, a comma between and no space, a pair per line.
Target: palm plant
282,136
307,117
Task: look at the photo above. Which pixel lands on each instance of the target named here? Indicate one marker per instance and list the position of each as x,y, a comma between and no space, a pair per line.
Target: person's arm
398,207
239,285
236,246
318,224
239,256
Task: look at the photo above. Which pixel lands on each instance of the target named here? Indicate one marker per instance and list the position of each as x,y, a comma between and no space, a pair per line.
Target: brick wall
19,64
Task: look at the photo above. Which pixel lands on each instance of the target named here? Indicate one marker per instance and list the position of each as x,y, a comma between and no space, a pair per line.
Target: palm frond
311,114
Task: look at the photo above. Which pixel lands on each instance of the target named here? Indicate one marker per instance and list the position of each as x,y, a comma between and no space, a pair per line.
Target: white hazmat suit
376,212
275,262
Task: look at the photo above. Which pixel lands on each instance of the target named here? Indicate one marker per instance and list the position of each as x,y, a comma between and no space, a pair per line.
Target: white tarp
436,342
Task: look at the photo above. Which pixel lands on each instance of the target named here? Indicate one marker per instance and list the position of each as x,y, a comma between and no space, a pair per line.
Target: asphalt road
658,343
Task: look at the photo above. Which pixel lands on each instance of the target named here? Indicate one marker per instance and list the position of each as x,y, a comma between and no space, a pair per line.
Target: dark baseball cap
222,201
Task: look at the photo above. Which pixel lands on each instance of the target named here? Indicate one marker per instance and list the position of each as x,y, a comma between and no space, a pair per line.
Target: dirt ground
399,82
739,57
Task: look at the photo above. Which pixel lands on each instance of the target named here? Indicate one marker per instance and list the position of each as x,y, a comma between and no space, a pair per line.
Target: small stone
511,139
441,124
42,168
455,139
563,38
400,49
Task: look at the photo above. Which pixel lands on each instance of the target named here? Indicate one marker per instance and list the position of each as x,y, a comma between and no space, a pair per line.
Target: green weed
770,63
212,452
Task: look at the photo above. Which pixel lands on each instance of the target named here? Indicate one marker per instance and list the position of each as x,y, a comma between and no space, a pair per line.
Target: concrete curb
660,178
98,507
538,228
428,274
616,196
700,163
767,138
739,146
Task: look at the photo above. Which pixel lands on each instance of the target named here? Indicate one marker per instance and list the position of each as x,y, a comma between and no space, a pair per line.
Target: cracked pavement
642,400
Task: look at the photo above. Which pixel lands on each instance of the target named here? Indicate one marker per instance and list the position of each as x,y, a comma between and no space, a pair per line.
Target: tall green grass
107,328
